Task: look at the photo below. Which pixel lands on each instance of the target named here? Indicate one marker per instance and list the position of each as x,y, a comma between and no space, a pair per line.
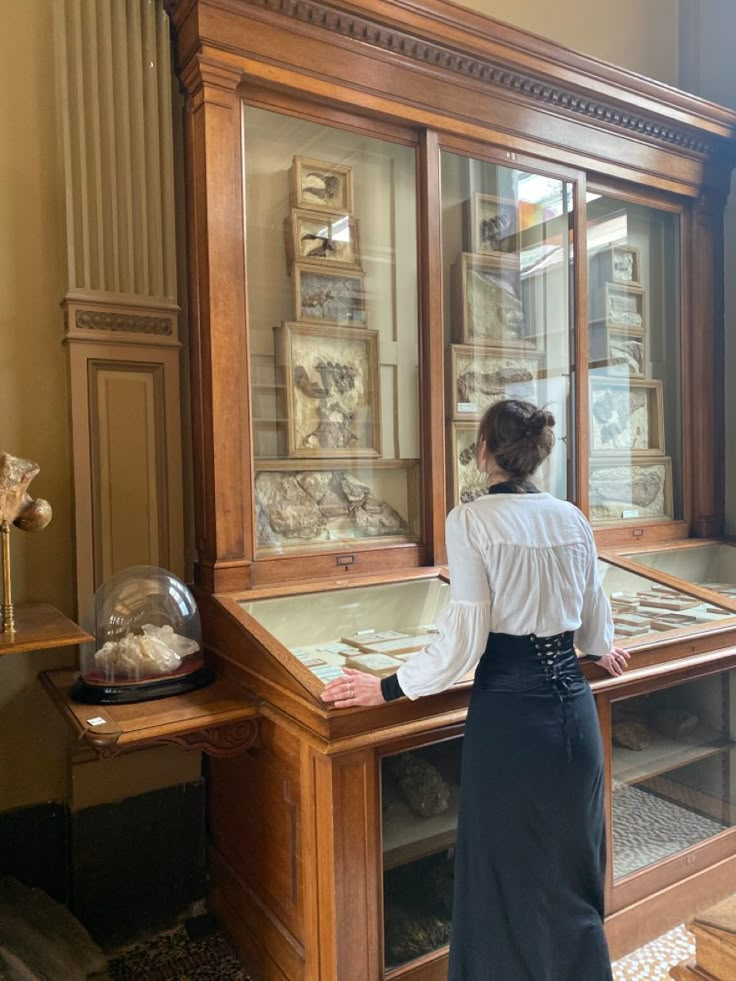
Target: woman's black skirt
530,856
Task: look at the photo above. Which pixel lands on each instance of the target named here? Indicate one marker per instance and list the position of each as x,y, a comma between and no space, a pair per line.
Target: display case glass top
372,628
331,226
644,608
711,565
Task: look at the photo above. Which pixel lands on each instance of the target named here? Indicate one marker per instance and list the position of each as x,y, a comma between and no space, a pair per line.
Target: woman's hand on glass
353,688
615,661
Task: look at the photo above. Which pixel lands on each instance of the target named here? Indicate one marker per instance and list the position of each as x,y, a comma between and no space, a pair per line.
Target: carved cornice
536,89
126,322
226,740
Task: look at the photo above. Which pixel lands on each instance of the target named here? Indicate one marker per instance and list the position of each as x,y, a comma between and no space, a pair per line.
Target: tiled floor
653,962
174,957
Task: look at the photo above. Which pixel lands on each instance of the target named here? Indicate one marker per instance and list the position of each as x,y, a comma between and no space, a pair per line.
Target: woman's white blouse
519,564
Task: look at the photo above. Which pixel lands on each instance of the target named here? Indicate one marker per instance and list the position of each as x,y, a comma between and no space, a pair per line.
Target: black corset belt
532,665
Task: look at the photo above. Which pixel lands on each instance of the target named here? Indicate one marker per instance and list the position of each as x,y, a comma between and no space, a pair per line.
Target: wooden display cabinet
609,190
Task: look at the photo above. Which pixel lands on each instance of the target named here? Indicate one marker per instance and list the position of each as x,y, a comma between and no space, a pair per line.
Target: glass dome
148,639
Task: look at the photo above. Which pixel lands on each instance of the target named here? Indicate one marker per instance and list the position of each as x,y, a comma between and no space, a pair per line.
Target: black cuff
390,688
592,657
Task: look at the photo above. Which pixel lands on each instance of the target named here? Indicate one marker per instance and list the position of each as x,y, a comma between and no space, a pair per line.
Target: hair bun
537,422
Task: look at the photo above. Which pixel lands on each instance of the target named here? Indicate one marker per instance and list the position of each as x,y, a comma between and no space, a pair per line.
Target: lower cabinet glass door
673,770
419,791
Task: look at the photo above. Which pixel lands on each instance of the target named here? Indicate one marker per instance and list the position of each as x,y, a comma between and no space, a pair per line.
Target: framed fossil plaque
466,480
618,350
624,307
624,489
626,416
617,264
321,185
331,240
318,503
325,295
491,224
332,401
480,376
486,300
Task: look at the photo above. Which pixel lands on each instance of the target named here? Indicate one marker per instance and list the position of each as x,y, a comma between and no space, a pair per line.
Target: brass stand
8,610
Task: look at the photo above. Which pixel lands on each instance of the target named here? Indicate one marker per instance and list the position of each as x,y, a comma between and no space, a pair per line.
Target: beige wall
33,399
640,35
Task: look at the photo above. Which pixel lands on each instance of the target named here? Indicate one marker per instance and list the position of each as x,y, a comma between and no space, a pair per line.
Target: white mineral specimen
155,652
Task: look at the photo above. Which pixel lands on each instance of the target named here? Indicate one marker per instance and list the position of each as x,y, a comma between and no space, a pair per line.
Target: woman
530,853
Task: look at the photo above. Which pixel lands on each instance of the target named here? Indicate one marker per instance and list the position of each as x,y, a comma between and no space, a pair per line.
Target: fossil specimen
318,246
494,310
323,187
629,352
486,387
334,415
306,504
337,298
422,784
291,511
620,419
623,266
623,309
467,455
337,377
616,487
493,231
631,735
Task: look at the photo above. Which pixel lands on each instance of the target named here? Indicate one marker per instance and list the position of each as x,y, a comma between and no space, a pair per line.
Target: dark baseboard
34,847
124,869
139,864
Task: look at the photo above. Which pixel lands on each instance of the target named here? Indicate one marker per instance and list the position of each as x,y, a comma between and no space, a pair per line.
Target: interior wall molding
537,89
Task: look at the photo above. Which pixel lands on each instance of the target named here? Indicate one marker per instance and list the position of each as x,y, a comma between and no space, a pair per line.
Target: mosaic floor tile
653,962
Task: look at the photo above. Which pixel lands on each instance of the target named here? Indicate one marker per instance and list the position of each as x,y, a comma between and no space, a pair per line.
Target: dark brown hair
519,435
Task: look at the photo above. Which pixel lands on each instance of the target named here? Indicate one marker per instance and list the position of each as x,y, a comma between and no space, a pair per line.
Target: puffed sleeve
594,637
465,623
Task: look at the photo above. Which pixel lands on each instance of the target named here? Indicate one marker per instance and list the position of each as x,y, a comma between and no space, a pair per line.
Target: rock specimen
487,387
675,722
409,936
631,735
629,352
440,883
302,505
620,419
423,786
323,188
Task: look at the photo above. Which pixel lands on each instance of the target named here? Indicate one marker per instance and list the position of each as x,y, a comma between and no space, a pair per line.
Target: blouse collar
514,487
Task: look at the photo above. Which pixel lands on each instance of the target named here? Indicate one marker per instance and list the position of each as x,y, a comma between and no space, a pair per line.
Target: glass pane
419,807
673,770
712,566
372,628
642,607
333,334
507,267
635,410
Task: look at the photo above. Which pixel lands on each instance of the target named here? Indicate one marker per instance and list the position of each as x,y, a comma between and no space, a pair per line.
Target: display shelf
220,720
408,837
664,754
40,626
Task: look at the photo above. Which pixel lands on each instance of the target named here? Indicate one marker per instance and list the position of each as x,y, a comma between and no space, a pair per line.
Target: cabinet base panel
636,925
265,948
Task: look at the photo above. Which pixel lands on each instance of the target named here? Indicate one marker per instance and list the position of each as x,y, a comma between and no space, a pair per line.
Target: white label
630,513
97,721
467,407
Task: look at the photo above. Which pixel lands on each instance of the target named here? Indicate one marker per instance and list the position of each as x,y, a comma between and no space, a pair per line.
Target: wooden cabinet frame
306,902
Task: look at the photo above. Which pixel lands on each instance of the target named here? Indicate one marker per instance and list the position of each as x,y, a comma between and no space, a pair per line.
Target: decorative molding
225,740
132,323
541,90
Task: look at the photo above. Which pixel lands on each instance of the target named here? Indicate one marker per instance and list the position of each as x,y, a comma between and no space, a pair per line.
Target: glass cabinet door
419,801
673,770
331,235
507,267
634,353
